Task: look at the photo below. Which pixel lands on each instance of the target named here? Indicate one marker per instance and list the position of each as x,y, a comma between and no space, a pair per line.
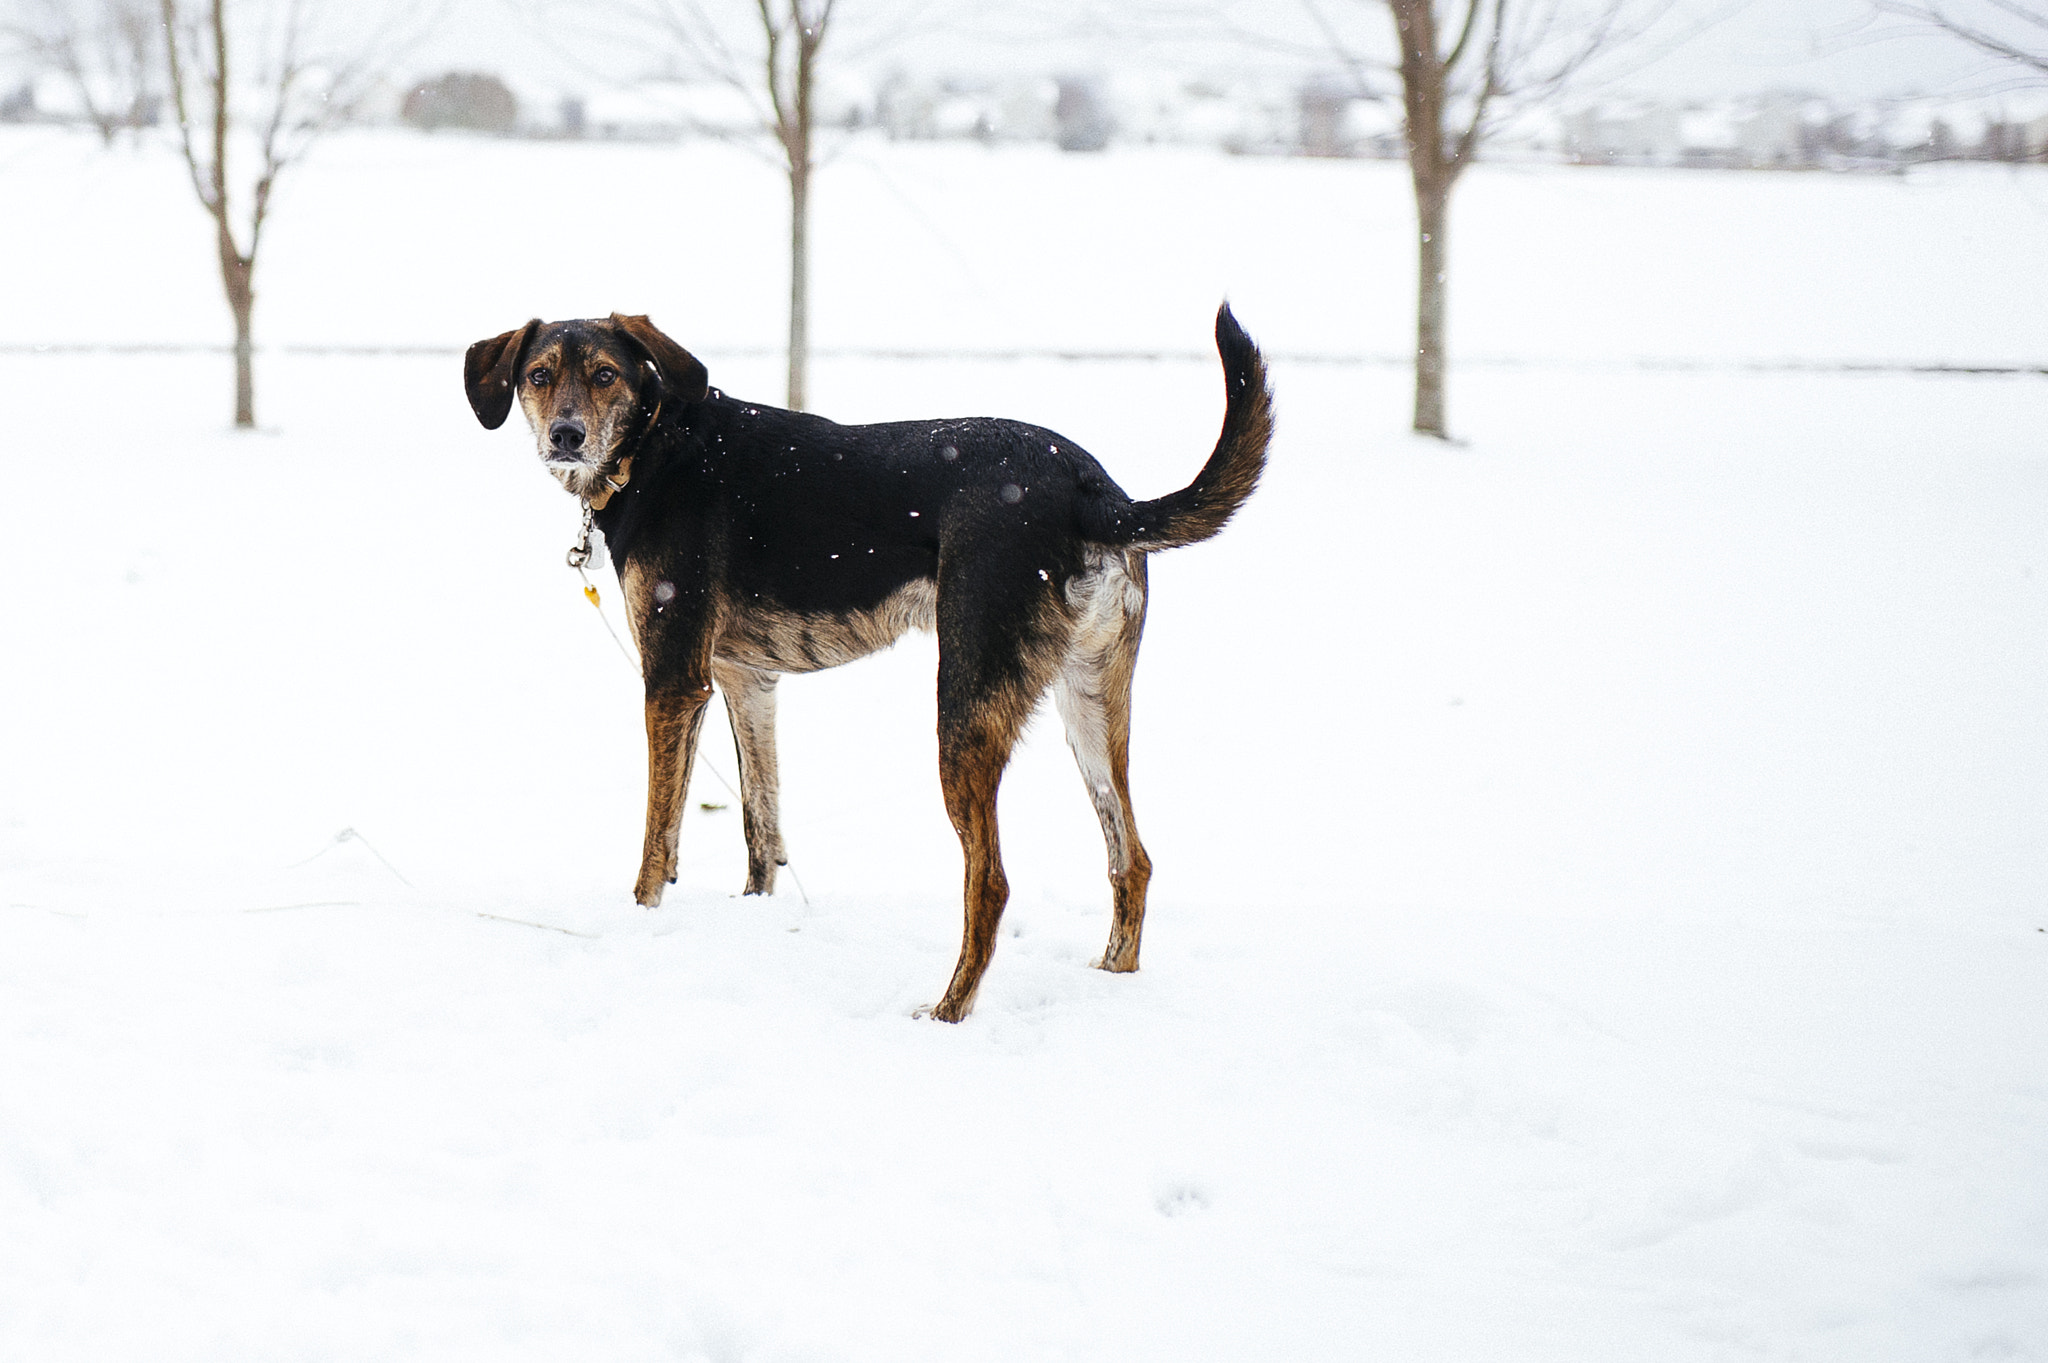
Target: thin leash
581,556
350,835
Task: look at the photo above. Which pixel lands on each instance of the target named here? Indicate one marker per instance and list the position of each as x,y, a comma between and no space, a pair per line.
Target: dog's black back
813,516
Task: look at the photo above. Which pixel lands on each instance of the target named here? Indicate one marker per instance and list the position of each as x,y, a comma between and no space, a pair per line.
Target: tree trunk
793,126
237,276
1431,169
1431,285
799,279
245,371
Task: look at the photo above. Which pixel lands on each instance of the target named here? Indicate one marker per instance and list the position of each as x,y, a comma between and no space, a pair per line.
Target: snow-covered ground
1602,866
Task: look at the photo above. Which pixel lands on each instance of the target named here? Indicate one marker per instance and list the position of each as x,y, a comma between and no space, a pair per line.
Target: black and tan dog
752,541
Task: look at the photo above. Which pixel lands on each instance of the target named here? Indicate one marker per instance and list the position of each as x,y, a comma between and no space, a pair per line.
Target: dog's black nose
566,434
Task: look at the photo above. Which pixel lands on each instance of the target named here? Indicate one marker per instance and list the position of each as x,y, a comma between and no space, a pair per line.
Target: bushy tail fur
1204,506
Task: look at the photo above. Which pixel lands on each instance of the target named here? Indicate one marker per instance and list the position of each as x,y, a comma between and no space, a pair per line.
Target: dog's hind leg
750,704
973,750
675,717
992,671
1093,693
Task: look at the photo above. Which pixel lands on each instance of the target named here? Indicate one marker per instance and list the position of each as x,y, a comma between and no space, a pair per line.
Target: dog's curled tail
1204,506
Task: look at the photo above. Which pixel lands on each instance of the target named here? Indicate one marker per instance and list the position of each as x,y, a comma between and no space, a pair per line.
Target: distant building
1081,117
1707,137
19,104
2033,133
1932,130
1336,120
1774,130
1534,133
469,100
1009,109
662,111
2015,127
1624,132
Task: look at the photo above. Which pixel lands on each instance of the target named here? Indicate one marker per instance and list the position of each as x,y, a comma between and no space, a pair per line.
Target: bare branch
1520,75
1361,71
218,9
1637,48
2021,12
1468,140
1529,51
697,39
1471,17
1988,43
180,106
274,157
778,99
279,45
918,19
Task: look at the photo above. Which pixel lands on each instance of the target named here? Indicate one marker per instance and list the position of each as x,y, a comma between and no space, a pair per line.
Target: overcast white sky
1836,47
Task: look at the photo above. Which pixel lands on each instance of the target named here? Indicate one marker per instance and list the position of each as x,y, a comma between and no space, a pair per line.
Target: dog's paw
647,894
1118,958
942,1011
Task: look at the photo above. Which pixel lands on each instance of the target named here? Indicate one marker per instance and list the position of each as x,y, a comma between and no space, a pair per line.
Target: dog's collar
615,481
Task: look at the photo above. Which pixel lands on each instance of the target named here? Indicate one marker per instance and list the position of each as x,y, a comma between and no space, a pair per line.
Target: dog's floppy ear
490,371
682,374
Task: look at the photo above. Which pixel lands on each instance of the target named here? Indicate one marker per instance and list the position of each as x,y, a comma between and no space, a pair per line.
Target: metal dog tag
588,551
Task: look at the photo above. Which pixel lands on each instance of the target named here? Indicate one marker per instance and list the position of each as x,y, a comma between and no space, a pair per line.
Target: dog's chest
777,639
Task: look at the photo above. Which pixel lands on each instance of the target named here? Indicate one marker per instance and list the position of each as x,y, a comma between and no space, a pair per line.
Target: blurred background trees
108,52
249,85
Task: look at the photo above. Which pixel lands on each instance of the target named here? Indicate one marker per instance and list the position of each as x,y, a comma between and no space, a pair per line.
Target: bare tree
106,51
770,53
1454,78
297,88
2011,30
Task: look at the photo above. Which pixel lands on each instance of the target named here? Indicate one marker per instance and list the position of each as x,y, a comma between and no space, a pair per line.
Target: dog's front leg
674,622
675,716
750,703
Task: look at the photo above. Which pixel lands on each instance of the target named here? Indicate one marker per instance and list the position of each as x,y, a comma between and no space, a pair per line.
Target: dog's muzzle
565,440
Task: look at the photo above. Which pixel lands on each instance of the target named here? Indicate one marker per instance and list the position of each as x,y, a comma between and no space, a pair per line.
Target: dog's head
584,386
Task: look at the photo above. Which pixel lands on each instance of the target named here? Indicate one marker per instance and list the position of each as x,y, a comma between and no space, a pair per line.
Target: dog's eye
538,377
603,378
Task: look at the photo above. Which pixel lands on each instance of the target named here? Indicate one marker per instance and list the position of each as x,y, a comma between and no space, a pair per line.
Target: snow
1600,865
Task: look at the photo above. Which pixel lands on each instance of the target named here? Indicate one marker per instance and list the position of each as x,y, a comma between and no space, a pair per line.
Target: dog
751,541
